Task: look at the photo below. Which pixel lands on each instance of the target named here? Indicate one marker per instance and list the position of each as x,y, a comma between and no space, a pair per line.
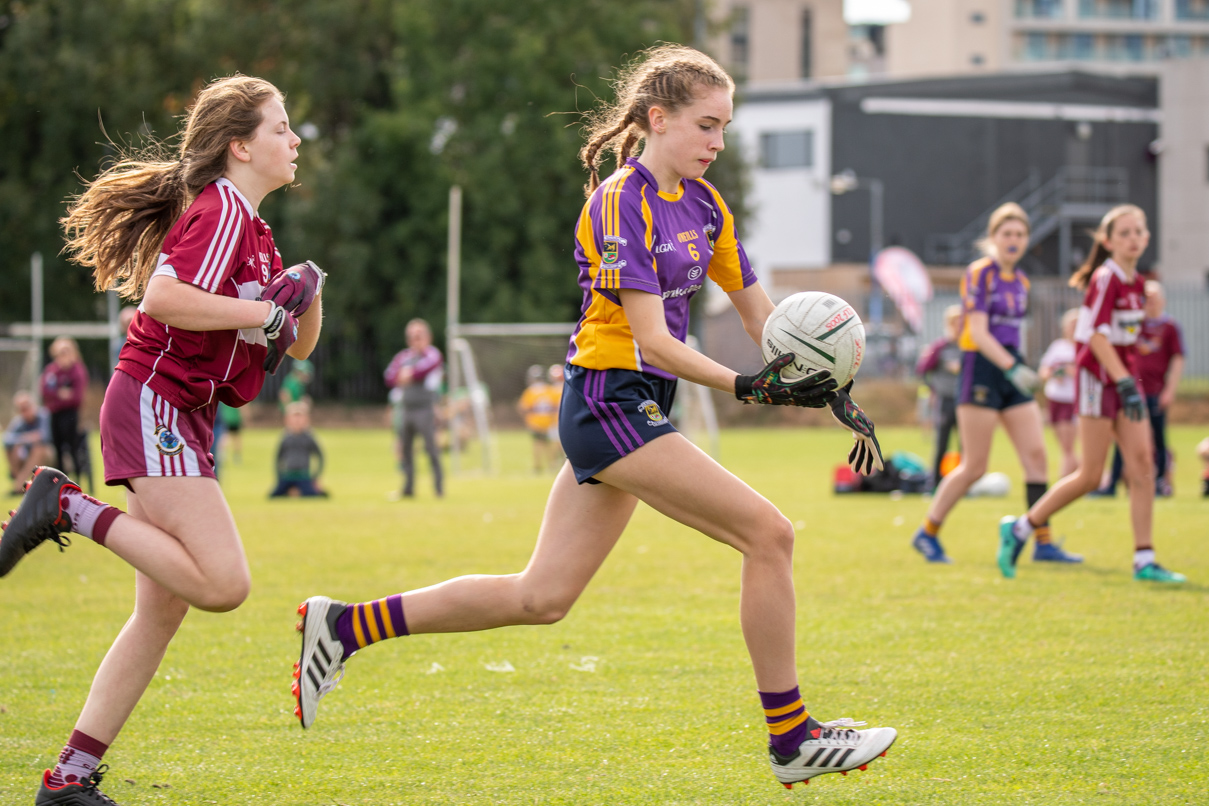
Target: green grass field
1064,686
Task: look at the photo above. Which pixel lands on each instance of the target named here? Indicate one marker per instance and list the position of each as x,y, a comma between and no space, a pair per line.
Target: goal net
496,358
15,373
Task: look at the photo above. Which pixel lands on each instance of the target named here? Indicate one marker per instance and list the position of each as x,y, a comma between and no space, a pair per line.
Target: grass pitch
1065,686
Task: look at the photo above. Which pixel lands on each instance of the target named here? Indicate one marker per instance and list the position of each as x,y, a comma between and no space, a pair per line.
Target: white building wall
791,207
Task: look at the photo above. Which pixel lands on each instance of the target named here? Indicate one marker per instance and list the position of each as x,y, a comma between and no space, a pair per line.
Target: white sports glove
1023,377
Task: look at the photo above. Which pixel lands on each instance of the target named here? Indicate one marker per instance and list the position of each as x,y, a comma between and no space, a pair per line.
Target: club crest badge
168,443
610,252
654,416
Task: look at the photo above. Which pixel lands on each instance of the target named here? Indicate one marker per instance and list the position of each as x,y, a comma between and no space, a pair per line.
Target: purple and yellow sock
787,720
931,528
368,623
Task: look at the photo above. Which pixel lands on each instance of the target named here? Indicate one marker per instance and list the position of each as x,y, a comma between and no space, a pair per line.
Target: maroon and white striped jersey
219,245
1113,307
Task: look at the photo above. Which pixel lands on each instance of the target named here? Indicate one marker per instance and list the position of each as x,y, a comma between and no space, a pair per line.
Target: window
977,60
1192,9
793,149
807,68
1119,9
1083,46
740,44
1036,47
977,18
1044,9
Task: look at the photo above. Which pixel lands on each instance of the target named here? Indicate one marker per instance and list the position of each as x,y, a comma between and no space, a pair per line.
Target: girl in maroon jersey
1110,403
217,312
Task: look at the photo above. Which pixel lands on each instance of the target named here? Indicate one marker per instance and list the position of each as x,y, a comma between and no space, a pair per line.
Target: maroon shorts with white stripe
1099,399
143,435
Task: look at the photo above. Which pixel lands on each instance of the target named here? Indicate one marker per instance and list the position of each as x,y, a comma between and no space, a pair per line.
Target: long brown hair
666,76
1099,252
117,225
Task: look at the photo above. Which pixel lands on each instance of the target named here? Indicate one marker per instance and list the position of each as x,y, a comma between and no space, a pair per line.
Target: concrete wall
1184,172
946,37
775,38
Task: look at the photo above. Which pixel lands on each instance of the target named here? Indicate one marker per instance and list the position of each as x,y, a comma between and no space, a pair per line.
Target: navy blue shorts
984,384
606,414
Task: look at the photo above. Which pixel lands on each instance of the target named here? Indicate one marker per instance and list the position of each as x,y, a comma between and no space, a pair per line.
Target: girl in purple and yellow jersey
647,238
185,236
1111,404
996,385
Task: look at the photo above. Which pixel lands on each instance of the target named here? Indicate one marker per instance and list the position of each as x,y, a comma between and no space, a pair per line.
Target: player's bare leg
707,497
187,542
1065,434
976,427
581,524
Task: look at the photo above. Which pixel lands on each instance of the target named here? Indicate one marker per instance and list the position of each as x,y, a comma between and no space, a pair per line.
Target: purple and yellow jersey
1002,296
630,235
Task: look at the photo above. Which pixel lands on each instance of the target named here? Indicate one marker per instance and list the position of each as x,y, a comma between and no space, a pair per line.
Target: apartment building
948,37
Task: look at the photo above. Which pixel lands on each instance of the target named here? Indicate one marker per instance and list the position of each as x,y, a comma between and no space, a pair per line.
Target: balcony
1118,9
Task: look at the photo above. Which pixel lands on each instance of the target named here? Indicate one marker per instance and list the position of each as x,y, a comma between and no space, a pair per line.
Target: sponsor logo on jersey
654,416
167,443
666,246
685,237
694,272
610,252
682,292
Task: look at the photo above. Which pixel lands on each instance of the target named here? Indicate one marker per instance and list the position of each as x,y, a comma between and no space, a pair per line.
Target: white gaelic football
821,330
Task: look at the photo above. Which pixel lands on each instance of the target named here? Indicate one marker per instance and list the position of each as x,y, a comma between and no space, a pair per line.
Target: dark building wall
940,173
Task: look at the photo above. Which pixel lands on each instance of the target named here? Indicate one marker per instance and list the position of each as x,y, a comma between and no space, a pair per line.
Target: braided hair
666,76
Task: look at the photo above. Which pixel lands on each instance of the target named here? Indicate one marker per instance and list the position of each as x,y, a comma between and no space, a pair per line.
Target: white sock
1022,529
1142,558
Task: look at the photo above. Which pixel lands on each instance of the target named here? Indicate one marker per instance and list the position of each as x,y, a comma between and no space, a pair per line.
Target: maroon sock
78,761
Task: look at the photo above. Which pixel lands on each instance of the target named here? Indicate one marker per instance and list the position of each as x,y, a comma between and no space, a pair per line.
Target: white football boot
321,666
831,747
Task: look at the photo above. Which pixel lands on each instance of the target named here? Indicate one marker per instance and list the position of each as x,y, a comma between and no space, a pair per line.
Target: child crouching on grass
295,476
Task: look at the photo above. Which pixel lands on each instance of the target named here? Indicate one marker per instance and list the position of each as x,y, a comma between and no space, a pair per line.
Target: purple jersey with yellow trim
1002,296
630,235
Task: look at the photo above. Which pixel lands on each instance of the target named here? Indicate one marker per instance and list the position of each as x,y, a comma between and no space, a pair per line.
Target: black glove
296,287
281,329
1131,399
813,392
866,454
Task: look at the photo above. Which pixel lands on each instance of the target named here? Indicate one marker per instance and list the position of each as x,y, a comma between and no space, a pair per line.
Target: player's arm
991,349
1175,370
660,348
309,325
183,305
753,306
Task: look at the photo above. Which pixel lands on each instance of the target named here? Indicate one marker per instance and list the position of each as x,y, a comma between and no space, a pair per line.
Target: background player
1160,363
940,367
1057,369
996,385
185,236
416,372
64,383
1110,401
539,408
625,356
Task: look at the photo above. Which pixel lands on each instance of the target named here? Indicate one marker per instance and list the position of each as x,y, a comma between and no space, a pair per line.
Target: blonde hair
1001,215
1099,252
117,225
666,76
1069,318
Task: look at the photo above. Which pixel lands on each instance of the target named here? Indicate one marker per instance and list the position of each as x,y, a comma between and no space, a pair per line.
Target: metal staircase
1074,195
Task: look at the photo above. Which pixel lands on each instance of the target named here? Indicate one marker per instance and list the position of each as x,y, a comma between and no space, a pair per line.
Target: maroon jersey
1158,342
219,245
1113,307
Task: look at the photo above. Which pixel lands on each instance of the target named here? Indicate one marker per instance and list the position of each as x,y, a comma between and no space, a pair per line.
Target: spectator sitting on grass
27,440
295,476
